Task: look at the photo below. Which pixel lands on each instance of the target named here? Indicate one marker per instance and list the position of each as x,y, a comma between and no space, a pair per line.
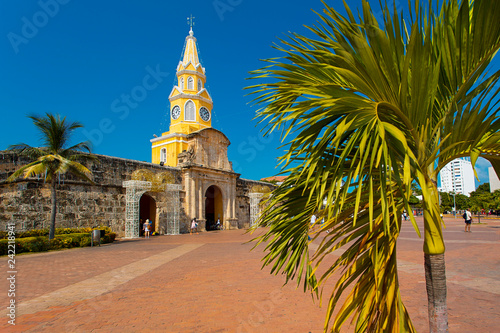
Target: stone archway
214,207
147,210
257,196
135,190
143,181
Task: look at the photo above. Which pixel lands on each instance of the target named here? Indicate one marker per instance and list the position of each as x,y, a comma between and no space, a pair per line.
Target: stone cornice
258,182
190,71
190,96
198,167
168,136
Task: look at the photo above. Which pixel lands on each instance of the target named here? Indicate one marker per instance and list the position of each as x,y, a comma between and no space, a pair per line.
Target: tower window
199,85
182,84
190,83
189,114
163,155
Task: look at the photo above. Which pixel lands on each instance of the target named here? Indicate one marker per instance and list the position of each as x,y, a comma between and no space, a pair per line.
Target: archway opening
213,208
147,210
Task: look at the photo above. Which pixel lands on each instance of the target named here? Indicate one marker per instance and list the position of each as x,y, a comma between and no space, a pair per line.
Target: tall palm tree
54,158
371,110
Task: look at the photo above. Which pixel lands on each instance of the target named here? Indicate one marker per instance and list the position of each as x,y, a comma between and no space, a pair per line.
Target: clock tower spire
190,105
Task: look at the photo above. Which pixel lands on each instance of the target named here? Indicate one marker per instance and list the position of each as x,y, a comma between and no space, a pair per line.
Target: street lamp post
454,206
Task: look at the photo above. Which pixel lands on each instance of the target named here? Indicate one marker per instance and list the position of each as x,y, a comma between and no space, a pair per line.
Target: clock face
176,112
204,113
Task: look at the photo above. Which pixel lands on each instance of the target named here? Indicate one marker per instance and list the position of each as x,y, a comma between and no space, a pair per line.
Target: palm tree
54,157
371,111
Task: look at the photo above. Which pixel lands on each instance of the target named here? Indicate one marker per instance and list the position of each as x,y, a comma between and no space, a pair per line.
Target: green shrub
27,244
58,243
61,241
4,246
85,240
67,240
36,244
33,233
58,231
108,238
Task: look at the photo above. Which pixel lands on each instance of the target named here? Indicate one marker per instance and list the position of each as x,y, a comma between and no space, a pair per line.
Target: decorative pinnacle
190,22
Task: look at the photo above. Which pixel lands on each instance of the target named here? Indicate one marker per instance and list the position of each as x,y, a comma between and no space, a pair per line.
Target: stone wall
209,148
243,189
27,203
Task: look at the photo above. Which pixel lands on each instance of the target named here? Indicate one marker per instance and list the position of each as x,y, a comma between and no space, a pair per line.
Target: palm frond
27,150
54,158
364,112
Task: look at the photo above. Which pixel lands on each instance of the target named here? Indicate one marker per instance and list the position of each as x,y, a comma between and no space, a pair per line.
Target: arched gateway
140,206
147,211
213,207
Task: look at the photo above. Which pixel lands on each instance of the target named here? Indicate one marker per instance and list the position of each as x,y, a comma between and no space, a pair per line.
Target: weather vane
190,22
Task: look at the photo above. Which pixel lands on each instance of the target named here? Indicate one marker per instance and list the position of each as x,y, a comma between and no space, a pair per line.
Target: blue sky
77,58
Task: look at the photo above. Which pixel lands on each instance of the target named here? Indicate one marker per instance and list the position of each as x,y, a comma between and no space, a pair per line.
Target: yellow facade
190,107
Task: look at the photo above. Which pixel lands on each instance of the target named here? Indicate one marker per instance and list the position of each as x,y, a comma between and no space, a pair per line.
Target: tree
54,157
462,201
482,199
415,189
459,201
446,201
485,187
496,200
364,112
413,200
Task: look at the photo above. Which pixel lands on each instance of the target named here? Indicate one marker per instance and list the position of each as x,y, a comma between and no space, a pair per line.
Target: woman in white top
147,228
194,226
468,220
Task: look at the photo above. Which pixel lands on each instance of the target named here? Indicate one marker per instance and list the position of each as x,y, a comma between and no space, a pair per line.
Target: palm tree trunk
435,279
54,208
435,270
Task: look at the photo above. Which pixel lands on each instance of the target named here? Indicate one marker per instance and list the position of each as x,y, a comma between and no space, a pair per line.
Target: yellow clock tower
190,107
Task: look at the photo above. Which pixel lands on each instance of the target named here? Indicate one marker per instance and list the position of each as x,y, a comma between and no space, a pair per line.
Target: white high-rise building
494,181
458,176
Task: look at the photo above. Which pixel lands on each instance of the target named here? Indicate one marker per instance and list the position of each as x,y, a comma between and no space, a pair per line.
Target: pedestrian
147,228
468,219
313,221
194,226
218,226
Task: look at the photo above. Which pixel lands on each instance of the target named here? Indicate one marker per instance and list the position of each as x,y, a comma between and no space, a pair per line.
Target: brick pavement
212,282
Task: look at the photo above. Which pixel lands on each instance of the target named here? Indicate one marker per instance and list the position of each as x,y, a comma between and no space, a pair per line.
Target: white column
196,197
192,199
201,199
187,202
227,203
233,187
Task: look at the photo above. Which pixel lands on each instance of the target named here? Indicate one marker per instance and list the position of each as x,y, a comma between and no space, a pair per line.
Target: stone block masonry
27,202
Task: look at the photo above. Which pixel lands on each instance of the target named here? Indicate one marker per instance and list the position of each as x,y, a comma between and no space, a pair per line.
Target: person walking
468,220
194,226
313,222
147,228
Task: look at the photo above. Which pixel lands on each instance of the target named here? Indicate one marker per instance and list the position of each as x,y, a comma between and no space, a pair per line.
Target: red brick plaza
212,282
